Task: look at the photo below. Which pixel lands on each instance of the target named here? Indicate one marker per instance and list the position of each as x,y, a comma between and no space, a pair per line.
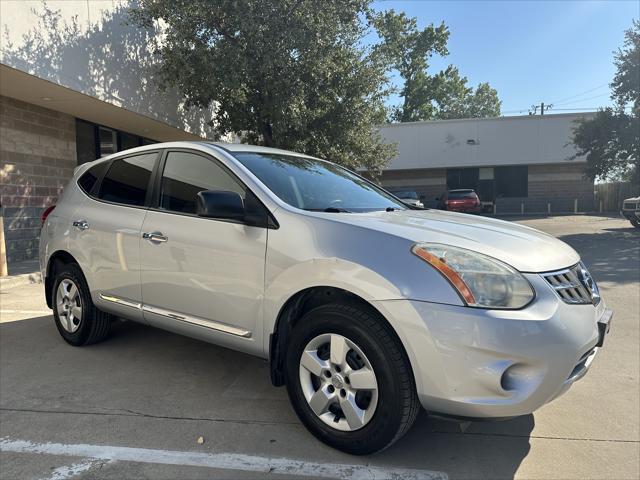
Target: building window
512,181
96,141
491,182
128,140
85,142
462,178
108,141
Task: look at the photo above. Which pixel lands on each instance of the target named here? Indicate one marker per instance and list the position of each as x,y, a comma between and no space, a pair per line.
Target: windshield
316,185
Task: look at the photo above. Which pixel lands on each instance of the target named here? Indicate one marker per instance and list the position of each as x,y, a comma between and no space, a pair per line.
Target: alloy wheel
69,305
338,382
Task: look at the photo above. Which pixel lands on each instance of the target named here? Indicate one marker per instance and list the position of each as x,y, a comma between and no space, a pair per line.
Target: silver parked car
631,210
365,308
408,196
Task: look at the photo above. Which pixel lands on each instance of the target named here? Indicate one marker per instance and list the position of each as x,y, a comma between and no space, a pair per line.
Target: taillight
45,214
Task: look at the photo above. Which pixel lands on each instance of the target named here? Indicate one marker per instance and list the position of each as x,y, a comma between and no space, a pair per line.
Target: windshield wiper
336,210
328,210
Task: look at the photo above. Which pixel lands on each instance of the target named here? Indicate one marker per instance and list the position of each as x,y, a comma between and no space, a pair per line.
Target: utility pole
534,108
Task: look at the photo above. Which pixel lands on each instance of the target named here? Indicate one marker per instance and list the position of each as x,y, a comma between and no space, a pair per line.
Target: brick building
68,96
514,163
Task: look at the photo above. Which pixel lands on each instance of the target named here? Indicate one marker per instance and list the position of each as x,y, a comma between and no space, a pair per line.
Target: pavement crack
537,437
133,413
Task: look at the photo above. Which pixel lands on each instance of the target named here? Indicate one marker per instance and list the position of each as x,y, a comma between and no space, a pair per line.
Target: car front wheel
349,380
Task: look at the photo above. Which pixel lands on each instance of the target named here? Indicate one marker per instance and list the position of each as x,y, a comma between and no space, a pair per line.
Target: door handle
155,237
81,224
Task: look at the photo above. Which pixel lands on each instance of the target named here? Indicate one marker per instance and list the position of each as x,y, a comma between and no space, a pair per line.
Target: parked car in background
408,196
631,210
462,200
365,308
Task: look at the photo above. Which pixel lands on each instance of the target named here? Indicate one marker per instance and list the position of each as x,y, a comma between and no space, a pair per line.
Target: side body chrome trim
221,327
121,301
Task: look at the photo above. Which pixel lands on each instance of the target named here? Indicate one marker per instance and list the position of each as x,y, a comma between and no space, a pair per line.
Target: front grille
568,285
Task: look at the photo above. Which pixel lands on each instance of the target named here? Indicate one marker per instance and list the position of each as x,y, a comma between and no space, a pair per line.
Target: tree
610,140
283,73
445,95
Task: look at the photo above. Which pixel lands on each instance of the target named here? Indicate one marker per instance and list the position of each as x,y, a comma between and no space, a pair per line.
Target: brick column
37,158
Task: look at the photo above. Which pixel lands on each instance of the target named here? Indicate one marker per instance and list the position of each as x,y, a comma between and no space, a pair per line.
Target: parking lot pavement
135,405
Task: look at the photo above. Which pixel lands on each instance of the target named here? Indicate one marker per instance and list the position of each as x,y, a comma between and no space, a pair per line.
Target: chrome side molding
221,327
121,301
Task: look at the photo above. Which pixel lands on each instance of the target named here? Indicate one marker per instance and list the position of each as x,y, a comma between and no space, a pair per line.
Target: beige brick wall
562,180
37,158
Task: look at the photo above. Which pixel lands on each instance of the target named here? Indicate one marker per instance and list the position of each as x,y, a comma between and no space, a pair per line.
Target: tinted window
462,194
127,140
85,142
91,177
186,174
315,185
108,141
128,179
512,181
458,178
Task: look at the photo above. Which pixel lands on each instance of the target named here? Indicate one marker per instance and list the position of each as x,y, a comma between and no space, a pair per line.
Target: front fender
310,251
318,272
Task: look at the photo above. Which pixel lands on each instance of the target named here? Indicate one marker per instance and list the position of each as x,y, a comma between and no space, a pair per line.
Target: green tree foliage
611,140
407,49
284,73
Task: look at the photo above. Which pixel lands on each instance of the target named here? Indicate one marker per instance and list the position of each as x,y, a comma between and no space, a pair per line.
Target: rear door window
127,180
90,178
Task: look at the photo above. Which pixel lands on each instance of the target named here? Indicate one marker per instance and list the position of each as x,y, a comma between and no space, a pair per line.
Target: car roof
229,147
244,147
462,190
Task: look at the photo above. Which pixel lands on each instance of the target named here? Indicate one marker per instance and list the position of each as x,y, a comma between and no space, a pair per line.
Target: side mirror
220,204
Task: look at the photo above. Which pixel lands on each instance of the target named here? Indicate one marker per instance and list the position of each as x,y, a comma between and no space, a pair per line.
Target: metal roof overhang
28,88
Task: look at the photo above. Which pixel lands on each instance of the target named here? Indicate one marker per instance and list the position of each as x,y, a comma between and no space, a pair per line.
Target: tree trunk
267,133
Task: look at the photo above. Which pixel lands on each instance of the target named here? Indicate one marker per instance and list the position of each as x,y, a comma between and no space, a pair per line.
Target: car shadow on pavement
471,450
157,374
611,256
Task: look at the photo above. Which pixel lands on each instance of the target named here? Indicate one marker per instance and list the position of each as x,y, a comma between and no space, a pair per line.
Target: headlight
480,280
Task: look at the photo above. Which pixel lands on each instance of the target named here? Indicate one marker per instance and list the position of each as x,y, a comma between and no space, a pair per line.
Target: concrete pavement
152,390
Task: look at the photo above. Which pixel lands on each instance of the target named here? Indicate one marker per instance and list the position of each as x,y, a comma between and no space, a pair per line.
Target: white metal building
517,162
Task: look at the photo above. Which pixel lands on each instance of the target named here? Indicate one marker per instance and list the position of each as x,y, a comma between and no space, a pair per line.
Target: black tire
397,403
635,223
94,325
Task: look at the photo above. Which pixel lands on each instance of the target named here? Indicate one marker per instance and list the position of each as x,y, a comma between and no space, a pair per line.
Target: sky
556,52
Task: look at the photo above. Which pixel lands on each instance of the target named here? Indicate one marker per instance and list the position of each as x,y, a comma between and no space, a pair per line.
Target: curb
13,281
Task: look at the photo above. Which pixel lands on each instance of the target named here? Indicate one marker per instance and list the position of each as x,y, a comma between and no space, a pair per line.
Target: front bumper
497,363
630,214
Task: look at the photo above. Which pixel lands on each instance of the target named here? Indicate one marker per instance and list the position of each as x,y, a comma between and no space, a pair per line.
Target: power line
580,94
580,100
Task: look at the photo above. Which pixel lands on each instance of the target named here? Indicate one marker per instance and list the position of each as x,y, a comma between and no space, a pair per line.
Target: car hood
524,248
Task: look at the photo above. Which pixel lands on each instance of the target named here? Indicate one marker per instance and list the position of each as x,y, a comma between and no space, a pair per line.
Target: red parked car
463,200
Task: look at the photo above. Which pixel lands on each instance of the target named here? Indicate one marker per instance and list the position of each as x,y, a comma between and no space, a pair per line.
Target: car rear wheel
349,380
77,319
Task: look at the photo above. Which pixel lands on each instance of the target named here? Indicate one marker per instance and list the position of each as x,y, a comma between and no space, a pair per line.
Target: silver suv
365,308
